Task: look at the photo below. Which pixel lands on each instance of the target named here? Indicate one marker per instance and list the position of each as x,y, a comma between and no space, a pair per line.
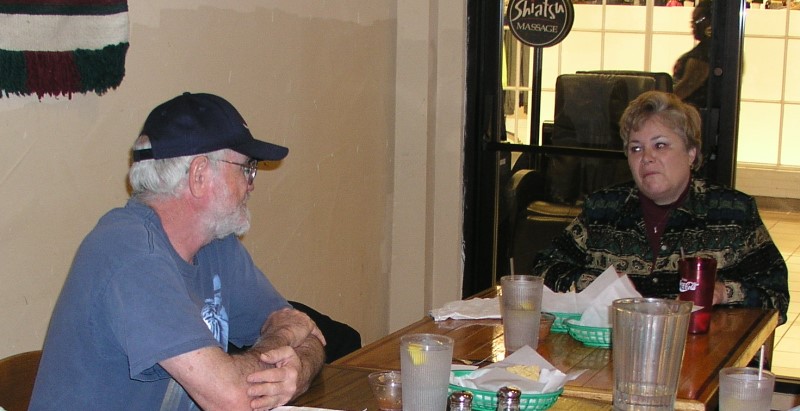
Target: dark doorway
492,159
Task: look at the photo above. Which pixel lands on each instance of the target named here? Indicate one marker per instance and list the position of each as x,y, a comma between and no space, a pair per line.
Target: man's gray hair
164,178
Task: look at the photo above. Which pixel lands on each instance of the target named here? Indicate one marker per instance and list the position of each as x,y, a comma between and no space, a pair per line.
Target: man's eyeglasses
250,169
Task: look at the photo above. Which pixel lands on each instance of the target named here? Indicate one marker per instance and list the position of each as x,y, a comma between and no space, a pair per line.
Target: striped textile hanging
61,47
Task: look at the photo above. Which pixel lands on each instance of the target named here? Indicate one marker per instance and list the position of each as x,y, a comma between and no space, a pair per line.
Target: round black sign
540,23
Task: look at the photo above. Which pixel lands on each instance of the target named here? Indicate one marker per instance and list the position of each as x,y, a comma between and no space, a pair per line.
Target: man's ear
199,175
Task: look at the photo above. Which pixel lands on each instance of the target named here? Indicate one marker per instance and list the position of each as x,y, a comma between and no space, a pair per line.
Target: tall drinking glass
647,342
698,278
521,310
425,365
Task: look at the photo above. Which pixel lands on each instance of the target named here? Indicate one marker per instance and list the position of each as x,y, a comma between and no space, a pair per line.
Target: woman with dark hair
644,227
691,70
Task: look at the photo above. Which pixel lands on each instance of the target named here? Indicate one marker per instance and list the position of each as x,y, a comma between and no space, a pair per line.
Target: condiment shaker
508,399
461,401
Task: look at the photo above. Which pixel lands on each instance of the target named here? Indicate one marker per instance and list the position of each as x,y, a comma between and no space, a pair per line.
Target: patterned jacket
712,220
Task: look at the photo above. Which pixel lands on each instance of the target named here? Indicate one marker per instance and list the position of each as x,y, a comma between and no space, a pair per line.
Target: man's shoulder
132,212
131,227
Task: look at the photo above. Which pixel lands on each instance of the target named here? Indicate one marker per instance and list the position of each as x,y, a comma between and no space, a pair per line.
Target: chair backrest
17,375
663,80
588,108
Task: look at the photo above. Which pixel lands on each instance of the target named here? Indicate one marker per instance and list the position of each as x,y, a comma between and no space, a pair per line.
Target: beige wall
362,220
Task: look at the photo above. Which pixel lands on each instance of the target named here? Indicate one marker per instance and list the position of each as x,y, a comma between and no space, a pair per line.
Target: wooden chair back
17,375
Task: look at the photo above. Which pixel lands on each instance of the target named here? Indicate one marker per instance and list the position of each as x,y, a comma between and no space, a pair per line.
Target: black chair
663,80
547,198
341,338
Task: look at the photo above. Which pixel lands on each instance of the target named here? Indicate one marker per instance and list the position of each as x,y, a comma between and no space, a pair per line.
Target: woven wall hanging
62,47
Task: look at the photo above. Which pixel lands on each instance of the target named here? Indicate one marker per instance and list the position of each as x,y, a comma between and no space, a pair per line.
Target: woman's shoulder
617,192
714,199
614,199
702,187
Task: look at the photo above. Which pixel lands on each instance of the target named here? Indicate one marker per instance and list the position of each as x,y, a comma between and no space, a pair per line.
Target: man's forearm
290,328
312,357
269,342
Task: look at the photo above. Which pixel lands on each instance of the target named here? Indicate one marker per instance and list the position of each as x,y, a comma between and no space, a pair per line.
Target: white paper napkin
598,313
472,309
553,302
494,376
594,302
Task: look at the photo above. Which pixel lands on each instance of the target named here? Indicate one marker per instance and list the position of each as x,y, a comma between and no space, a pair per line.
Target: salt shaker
461,401
508,399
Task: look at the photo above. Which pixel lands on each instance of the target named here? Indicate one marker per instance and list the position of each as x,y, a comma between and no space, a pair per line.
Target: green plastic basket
487,400
589,336
558,325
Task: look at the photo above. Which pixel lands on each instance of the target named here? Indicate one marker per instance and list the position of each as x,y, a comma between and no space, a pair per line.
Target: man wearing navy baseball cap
161,287
193,124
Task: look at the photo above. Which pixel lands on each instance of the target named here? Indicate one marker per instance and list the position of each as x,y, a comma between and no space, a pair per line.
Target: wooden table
346,388
735,337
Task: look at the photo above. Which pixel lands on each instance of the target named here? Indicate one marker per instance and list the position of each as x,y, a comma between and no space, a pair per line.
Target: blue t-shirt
130,301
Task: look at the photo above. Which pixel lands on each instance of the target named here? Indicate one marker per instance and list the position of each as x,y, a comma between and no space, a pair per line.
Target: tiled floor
784,227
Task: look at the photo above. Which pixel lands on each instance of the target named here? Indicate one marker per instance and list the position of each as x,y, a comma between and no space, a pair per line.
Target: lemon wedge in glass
417,353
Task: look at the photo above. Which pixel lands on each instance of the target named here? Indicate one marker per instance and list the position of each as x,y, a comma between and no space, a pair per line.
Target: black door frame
483,124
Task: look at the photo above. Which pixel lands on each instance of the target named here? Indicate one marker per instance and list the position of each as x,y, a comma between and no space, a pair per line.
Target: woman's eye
661,145
634,149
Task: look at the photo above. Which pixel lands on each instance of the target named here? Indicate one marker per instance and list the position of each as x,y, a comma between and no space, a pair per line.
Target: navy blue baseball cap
192,124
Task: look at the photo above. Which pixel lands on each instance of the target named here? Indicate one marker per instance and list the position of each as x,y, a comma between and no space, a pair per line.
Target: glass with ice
425,365
745,389
521,310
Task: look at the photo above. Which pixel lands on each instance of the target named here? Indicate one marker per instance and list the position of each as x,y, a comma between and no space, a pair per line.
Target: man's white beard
237,223
223,222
